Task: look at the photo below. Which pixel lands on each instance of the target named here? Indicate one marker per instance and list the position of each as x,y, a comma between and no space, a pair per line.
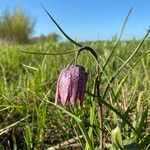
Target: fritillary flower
71,85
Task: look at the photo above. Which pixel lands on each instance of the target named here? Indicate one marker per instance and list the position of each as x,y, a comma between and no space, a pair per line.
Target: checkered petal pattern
71,85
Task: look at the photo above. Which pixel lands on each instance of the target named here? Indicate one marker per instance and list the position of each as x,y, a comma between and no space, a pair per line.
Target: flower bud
71,85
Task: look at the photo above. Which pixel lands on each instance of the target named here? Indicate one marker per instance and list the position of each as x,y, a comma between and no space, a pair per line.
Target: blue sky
87,19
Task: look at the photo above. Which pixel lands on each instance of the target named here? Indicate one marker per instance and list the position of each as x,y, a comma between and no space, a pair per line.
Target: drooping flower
71,85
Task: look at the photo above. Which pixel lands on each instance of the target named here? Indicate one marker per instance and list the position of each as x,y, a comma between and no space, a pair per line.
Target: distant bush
53,37
16,26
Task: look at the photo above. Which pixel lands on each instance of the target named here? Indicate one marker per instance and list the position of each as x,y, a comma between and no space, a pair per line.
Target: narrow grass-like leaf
4,130
14,142
145,70
126,62
30,67
38,53
130,57
80,139
116,137
145,143
116,111
143,122
86,136
81,125
70,39
64,110
92,116
119,87
28,137
121,33
143,56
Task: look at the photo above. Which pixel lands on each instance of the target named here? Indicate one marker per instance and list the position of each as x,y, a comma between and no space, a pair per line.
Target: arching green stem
97,89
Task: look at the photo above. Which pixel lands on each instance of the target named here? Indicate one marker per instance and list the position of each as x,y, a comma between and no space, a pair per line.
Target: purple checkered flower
71,85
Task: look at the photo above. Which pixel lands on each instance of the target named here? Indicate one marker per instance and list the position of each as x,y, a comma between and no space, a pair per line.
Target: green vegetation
16,26
29,119
53,37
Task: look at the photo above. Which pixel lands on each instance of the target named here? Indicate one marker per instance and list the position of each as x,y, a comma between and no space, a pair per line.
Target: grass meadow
29,118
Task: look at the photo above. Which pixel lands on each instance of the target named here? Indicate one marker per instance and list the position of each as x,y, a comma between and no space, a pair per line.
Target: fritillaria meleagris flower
71,85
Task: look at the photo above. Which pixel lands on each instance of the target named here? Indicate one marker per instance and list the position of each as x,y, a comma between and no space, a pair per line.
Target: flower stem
99,97
100,108
101,126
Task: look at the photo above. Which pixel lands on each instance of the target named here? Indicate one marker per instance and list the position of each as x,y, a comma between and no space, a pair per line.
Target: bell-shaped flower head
71,85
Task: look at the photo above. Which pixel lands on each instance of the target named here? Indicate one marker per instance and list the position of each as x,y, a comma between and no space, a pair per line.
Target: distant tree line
53,37
17,27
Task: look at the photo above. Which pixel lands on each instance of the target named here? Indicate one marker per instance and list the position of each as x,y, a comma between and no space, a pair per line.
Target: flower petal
64,85
71,85
74,84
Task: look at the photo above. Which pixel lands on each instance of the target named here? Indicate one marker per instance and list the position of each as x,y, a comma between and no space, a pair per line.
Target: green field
29,118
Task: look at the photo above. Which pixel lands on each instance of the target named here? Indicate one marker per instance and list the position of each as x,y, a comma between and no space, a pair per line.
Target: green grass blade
79,121
131,56
125,63
38,53
121,33
64,110
117,113
70,39
86,136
